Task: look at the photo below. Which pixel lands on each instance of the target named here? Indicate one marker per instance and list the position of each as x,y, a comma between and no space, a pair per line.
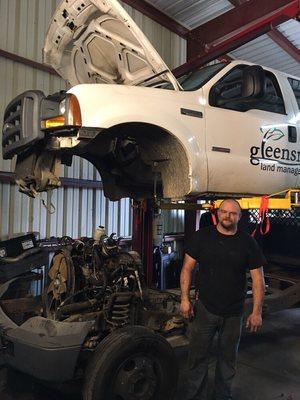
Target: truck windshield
192,80
196,79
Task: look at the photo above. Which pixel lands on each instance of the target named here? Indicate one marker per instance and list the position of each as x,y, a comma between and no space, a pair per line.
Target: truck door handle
292,131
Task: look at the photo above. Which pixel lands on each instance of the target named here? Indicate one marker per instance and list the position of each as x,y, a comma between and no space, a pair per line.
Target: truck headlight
69,114
62,107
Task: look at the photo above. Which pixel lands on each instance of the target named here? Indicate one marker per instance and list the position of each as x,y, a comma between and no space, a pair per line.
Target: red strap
262,217
213,214
214,218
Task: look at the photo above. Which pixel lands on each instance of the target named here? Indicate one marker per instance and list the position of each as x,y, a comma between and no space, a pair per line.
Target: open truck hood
96,41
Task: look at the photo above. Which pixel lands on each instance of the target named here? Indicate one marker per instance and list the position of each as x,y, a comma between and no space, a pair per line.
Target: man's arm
254,321
186,308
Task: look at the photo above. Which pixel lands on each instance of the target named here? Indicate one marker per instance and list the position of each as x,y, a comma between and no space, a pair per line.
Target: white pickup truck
226,129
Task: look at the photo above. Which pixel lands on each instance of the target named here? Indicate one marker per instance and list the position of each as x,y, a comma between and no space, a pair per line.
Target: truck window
295,84
230,87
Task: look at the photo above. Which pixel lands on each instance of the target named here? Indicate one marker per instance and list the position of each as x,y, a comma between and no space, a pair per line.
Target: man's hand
254,322
186,309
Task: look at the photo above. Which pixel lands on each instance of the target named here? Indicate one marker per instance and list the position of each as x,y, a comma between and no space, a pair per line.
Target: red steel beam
247,17
243,23
277,37
158,16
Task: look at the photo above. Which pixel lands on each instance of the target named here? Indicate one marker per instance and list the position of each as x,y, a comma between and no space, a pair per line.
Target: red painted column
142,235
148,243
137,227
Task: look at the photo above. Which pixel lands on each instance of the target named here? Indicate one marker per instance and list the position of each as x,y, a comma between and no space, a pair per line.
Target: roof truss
245,22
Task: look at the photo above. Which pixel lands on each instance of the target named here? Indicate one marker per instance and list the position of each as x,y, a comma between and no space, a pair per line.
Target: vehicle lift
143,212
284,200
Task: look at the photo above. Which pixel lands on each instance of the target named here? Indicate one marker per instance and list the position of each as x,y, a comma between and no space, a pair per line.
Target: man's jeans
203,329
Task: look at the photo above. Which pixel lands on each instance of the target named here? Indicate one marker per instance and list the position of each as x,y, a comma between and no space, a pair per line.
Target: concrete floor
269,362
268,367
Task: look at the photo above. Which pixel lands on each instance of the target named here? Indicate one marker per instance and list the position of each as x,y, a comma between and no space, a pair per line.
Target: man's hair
231,199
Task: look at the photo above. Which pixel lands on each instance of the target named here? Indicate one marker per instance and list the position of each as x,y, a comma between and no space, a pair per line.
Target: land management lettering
273,158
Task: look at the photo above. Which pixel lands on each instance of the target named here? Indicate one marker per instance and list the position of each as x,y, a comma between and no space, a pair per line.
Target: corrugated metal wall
23,25
173,221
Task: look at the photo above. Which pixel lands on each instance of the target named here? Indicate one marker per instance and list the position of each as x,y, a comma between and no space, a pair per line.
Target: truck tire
132,363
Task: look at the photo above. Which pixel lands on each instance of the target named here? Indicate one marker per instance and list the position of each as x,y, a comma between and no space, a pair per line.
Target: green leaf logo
272,134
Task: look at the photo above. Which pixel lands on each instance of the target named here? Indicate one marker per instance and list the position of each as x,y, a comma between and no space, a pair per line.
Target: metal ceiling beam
277,37
285,44
244,18
158,16
245,22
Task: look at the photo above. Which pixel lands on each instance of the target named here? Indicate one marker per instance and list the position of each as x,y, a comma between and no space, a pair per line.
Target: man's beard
228,225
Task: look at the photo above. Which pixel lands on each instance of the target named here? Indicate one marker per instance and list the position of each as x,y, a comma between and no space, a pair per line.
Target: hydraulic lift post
142,235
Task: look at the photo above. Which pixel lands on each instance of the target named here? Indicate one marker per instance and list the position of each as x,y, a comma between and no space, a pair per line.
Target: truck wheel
132,363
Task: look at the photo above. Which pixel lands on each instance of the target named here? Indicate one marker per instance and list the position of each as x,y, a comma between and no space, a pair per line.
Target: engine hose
96,264
27,253
68,309
67,300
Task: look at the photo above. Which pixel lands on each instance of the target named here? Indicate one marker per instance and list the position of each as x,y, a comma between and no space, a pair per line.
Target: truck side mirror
253,83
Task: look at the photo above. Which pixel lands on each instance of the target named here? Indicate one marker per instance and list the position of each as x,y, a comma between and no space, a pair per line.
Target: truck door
249,148
295,86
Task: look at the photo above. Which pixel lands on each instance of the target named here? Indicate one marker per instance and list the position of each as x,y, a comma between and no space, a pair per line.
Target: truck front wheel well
131,157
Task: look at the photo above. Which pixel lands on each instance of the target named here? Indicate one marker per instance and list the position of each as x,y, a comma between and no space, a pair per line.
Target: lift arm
284,200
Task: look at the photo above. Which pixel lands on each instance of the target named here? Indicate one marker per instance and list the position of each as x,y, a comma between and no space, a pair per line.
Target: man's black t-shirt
223,263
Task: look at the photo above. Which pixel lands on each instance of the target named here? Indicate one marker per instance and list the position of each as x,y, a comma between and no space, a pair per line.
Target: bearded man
224,254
